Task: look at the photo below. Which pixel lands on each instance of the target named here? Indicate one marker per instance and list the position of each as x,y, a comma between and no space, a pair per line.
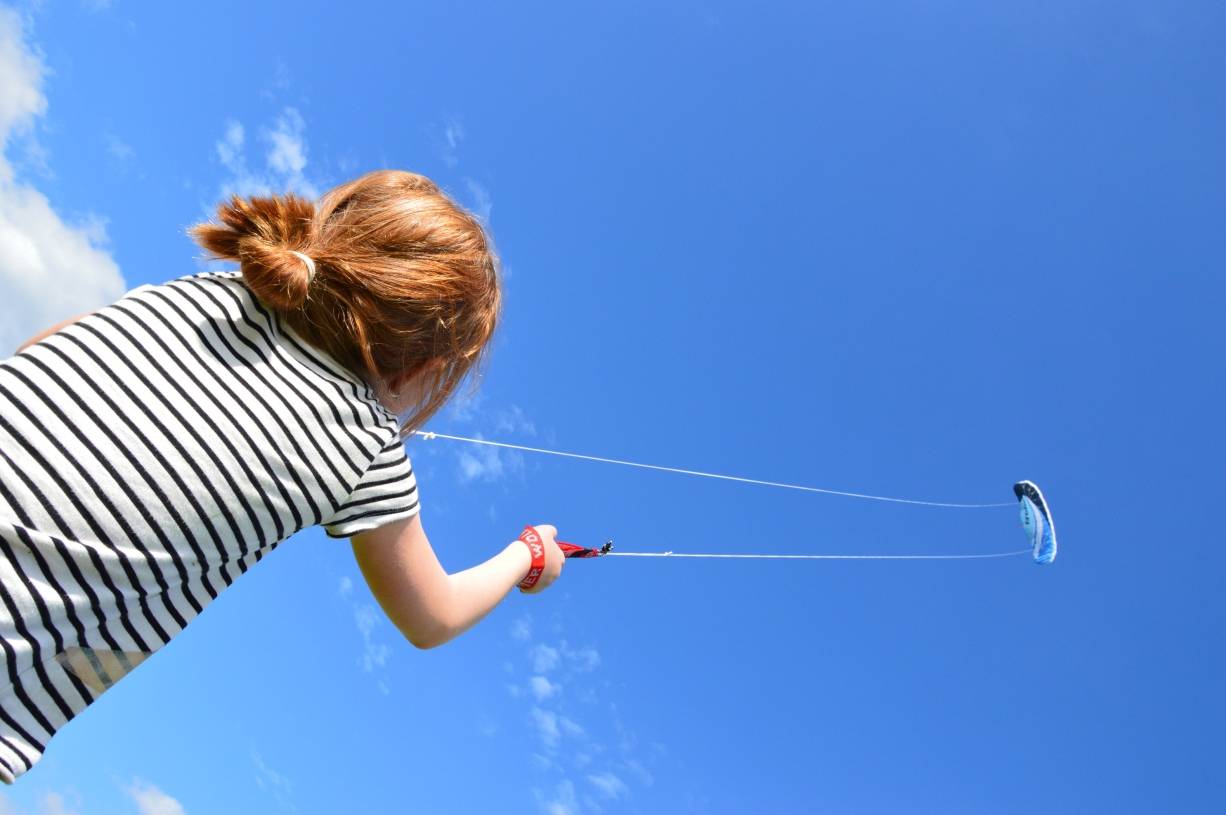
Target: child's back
150,453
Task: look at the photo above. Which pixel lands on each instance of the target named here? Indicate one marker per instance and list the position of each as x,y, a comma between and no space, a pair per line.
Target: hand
554,559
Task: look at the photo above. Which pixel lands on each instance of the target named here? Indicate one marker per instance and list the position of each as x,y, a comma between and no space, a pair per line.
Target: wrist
536,549
521,557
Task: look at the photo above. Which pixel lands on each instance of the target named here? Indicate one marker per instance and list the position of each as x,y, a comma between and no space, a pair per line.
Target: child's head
406,283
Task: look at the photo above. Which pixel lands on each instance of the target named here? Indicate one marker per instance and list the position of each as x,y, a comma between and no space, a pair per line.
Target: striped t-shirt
150,453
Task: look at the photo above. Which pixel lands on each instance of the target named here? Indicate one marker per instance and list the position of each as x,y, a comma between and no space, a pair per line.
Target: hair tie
310,264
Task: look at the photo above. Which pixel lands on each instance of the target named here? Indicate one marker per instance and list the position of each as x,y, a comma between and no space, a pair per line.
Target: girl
153,450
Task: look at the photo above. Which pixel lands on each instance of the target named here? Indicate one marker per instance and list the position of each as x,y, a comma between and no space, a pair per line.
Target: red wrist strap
537,547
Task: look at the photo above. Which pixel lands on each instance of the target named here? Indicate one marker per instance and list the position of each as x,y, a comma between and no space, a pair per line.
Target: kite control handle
537,547
571,550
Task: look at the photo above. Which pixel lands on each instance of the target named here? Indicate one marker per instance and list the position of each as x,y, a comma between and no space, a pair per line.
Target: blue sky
913,249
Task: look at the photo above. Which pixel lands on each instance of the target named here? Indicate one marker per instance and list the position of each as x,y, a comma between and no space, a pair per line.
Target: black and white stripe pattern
150,453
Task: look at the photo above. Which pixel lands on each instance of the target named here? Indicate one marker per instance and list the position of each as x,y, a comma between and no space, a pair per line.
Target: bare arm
429,606
50,331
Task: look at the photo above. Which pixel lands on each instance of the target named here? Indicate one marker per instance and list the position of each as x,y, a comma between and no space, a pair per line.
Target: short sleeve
139,288
386,492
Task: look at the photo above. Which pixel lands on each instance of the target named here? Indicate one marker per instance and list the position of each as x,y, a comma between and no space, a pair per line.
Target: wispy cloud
146,798
50,268
570,731
284,159
279,83
230,147
53,803
484,463
609,785
287,153
561,801
447,138
546,723
119,150
374,654
542,688
511,419
544,658
152,801
370,622
487,463
581,659
482,203
276,784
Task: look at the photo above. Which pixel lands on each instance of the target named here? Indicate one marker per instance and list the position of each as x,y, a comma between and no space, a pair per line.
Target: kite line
831,557
425,434
1042,550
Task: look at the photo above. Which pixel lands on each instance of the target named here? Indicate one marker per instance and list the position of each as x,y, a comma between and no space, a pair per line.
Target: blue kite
1036,520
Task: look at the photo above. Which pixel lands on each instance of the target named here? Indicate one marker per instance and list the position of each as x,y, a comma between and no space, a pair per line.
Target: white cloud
546,722
53,804
482,203
521,629
544,658
581,659
285,160
280,81
453,132
448,137
21,96
346,586
646,777
569,726
464,407
50,268
486,463
608,772
152,801
561,802
542,688
118,148
511,419
374,654
274,782
287,154
230,147
551,726
609,784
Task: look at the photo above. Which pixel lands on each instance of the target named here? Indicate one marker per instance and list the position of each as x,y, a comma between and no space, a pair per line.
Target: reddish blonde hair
404,275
